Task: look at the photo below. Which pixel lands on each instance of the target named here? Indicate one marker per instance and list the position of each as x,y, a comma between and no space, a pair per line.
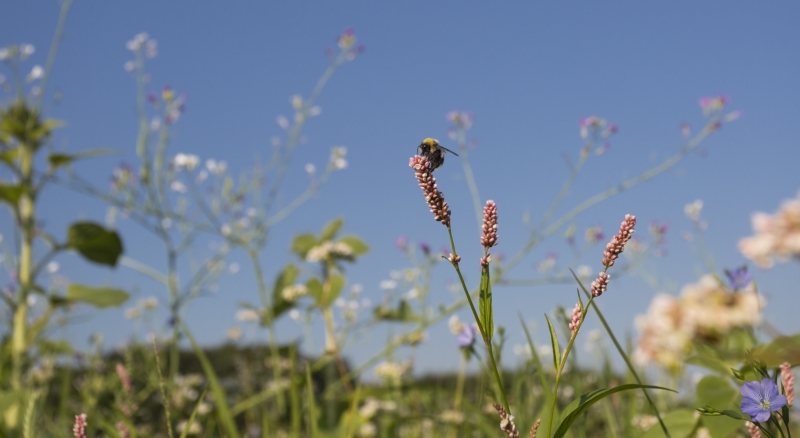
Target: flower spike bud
617,243
435,198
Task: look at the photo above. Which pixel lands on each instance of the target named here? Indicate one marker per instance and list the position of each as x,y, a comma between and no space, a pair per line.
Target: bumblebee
431,149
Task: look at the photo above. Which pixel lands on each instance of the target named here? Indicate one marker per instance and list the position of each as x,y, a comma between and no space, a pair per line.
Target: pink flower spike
787,377
79,429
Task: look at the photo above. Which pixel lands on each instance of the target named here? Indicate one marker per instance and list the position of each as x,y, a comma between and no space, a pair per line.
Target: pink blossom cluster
617,243
79,429
600,284
788,382
704,311
435,198
777,237
506,422
489,237
576,318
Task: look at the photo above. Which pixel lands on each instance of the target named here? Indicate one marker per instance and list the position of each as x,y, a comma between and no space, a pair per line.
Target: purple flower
760,400
466,338
739,278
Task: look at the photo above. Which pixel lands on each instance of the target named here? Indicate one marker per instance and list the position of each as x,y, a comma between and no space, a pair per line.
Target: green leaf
10,194
96,296
580,405
403,313
302,243
8,156
57,160
285,279
95,243
336,285
711,363
680,423
718,393
315,290
331,229
485,304
782,349
536,361
356,244
554,343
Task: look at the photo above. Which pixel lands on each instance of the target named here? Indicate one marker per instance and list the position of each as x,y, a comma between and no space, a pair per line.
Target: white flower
233,268
151,49
294,314
216,167
456,326
129,66
26,50
226,230
314,111
293,292
166,223
201,176
4,54
149,303
311,169
357,289
339,302
340,163
282,121
234,333
367,430
412,294
584,271
52,267
388,284
178,186
692,211
134,44
155,123
31,300
36,72
370,407
132,313
247,315
297,101
189,161
319,252
191,429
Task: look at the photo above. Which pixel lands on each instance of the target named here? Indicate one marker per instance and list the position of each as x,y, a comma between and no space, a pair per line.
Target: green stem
486,336
563,363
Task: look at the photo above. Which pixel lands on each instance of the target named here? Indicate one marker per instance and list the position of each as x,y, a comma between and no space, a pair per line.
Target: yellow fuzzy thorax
430,141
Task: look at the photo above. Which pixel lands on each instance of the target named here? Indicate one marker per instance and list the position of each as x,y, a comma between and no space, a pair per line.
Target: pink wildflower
79,429
435,198
788,382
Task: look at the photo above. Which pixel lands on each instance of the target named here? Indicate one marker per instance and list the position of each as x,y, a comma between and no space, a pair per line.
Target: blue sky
528,71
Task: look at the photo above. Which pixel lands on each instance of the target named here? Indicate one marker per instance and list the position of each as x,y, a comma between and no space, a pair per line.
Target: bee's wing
448,150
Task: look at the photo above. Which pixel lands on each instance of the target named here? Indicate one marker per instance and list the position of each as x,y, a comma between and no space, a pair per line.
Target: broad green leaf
554,343
285,279
485,304
680,424
336,285
782,349
356,244
580,405
8,156
718,393
331,229
59,159
96,296
95,243
302,243
315,290
708,362
10,194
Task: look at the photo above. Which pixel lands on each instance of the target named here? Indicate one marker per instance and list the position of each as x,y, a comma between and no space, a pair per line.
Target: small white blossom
283,122
311,169
201,176
294,314
178,186
155,123
340,163
234,333
137,41
297,101
151,49
189,161
692,211
132,313
247,315
388,284
233,268
4,54
166,223
456,326
226,230
314,111
52,267
129,66
36,72
26,50
293,292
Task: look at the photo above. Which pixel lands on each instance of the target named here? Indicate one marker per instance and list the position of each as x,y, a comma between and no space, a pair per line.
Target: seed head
506,422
